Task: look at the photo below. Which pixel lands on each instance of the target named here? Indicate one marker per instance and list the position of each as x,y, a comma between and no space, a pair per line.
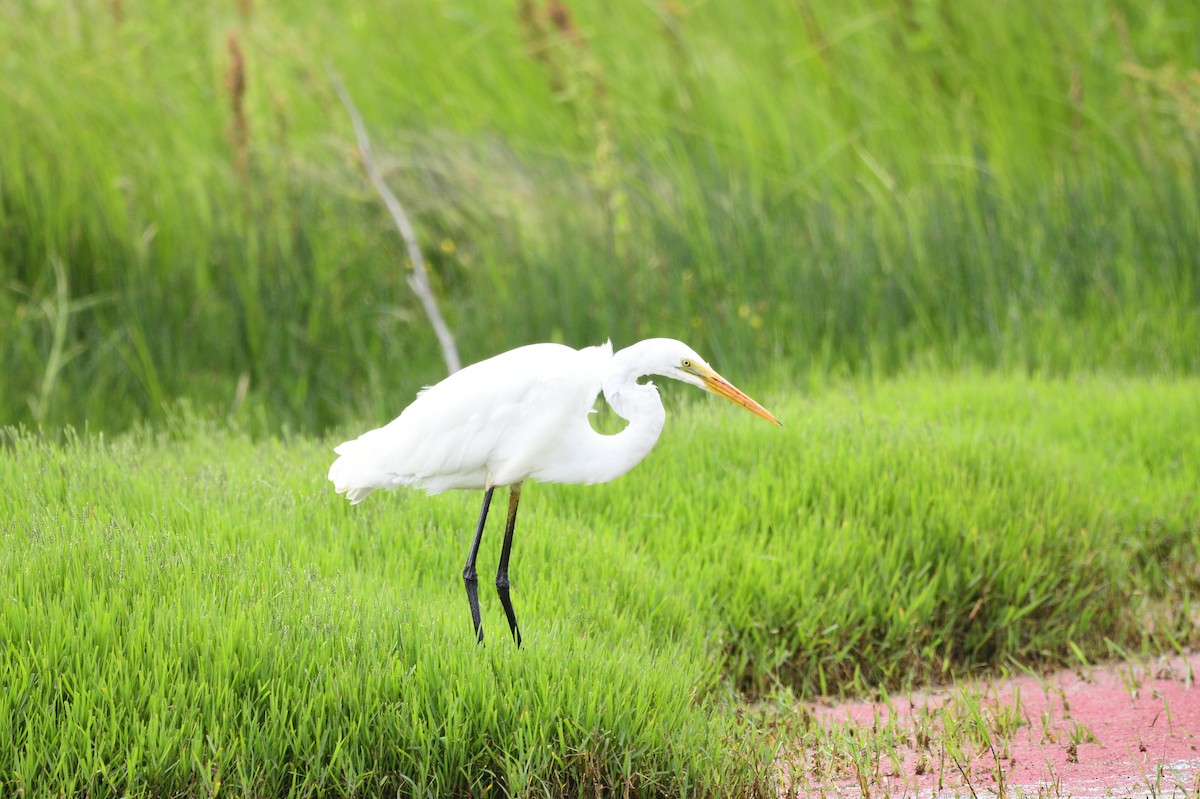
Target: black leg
514,497
470,577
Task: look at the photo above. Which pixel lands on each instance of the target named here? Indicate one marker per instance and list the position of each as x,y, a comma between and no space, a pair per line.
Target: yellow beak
719,385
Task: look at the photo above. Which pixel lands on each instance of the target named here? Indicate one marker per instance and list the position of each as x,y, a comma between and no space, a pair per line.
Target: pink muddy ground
1145,719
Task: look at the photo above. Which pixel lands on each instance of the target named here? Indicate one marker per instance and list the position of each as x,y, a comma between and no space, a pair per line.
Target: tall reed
857,187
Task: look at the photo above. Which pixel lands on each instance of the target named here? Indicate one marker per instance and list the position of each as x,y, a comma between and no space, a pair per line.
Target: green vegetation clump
194,611
853,186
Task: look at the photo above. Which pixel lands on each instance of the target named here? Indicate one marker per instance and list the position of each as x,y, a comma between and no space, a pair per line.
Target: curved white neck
614,455
598,458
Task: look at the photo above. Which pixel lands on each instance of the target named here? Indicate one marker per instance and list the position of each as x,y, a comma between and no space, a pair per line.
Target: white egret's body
523,415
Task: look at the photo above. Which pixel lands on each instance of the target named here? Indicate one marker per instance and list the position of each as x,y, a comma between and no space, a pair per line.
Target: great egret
523,415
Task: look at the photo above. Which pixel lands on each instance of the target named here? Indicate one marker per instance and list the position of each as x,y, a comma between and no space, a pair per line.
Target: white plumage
522,415
491,423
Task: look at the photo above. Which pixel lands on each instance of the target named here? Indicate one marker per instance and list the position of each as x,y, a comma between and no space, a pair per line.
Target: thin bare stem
418,280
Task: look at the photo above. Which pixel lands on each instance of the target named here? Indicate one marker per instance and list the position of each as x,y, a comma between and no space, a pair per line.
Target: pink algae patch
1121,730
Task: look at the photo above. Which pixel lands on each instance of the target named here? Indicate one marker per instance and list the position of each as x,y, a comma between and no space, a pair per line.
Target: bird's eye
686,363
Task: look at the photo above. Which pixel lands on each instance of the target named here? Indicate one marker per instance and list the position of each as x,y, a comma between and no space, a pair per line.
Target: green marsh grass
852,187
195,605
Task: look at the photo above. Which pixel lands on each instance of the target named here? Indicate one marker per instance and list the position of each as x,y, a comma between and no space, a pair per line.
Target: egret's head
688,367
683,364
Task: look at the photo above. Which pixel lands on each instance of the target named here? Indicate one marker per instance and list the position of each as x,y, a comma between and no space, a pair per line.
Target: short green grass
192,610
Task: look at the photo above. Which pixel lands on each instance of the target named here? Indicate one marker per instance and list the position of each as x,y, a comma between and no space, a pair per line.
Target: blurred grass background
856,187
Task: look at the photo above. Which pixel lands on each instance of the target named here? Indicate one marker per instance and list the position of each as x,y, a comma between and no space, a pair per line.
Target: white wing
493,423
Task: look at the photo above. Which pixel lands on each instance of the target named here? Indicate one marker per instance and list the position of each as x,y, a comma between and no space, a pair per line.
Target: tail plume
354,475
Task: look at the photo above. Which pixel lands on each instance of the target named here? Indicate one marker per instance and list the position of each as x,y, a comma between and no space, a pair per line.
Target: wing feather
488,424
